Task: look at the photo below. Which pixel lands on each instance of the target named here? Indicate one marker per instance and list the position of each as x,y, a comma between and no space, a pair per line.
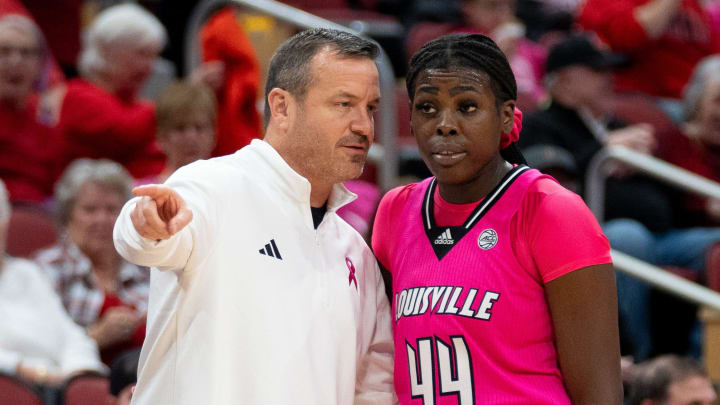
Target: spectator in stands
225,42
101,115
497,19
26,142
186,117
663,38
698,148
640,213
102,292
39,342
671,380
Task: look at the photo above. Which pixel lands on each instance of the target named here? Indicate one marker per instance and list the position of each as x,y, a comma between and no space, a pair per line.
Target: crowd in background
94,99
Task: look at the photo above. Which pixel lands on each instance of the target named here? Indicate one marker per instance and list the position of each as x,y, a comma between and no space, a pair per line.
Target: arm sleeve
563,236
77,351
615,23
9,361
195,239
375,370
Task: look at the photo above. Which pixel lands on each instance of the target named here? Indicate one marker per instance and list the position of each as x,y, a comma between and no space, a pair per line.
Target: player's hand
160,213
639,137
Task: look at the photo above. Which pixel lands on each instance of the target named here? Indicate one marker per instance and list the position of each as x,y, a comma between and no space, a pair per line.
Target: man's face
19,62
709,113
332,127
592,88
695,390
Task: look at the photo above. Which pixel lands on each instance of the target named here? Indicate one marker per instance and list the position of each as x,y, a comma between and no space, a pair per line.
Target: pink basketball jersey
471,323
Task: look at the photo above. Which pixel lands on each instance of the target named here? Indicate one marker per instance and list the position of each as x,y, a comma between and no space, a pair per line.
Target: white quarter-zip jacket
250,304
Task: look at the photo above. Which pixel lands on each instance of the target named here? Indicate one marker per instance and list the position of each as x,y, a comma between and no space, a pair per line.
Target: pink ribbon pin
351,276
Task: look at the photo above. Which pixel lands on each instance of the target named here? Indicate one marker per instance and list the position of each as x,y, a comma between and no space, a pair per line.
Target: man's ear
279,101
507,116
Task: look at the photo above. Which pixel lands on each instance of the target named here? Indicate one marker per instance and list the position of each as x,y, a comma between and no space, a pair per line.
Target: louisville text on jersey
445,300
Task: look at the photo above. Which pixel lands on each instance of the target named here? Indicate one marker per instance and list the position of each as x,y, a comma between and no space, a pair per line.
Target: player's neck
476,188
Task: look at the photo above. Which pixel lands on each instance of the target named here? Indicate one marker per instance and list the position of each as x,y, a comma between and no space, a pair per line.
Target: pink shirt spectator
471,323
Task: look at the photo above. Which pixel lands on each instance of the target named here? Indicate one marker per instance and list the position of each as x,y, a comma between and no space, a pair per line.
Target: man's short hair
653,378
290,65
183,99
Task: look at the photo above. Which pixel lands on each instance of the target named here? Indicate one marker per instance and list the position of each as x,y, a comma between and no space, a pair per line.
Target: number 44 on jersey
454,370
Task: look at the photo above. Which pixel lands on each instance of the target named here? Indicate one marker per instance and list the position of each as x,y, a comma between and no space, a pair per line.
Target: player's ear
507,116
279,101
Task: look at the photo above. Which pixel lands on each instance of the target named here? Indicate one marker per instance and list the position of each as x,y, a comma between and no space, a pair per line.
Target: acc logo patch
487,239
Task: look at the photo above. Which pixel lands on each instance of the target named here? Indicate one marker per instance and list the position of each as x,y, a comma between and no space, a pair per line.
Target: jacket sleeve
374,384
9,360
193,240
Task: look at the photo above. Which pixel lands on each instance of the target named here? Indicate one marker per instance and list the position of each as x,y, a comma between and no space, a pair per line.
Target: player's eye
425,108
468,107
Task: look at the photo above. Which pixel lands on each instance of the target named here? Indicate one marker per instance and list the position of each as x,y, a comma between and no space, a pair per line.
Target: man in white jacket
260,293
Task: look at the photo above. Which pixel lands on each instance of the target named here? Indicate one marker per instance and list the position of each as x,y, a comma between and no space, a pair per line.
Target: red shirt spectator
238,123
98,124
101,115
26,153
664,46
27,146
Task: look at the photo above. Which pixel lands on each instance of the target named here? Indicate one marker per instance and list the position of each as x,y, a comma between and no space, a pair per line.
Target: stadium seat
16,392
87,389
30,229
640,108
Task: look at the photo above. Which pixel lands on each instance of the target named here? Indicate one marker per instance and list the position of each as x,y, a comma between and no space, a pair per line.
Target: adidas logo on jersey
271,250
445,238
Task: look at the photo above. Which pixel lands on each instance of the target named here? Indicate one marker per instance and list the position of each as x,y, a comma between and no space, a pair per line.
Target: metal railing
595,195
384,155
666,280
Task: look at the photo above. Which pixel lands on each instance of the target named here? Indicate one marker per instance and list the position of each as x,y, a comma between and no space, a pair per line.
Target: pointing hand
160,213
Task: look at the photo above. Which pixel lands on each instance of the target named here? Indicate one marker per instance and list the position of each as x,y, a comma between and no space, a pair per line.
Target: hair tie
507,138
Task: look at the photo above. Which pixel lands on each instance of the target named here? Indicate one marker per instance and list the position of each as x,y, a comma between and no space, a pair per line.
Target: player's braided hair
470,51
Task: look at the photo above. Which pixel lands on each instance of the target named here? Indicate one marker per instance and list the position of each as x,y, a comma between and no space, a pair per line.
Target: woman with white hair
101,115
39,343
27,149
102,292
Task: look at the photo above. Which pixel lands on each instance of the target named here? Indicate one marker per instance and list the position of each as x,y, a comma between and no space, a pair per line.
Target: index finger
154,191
